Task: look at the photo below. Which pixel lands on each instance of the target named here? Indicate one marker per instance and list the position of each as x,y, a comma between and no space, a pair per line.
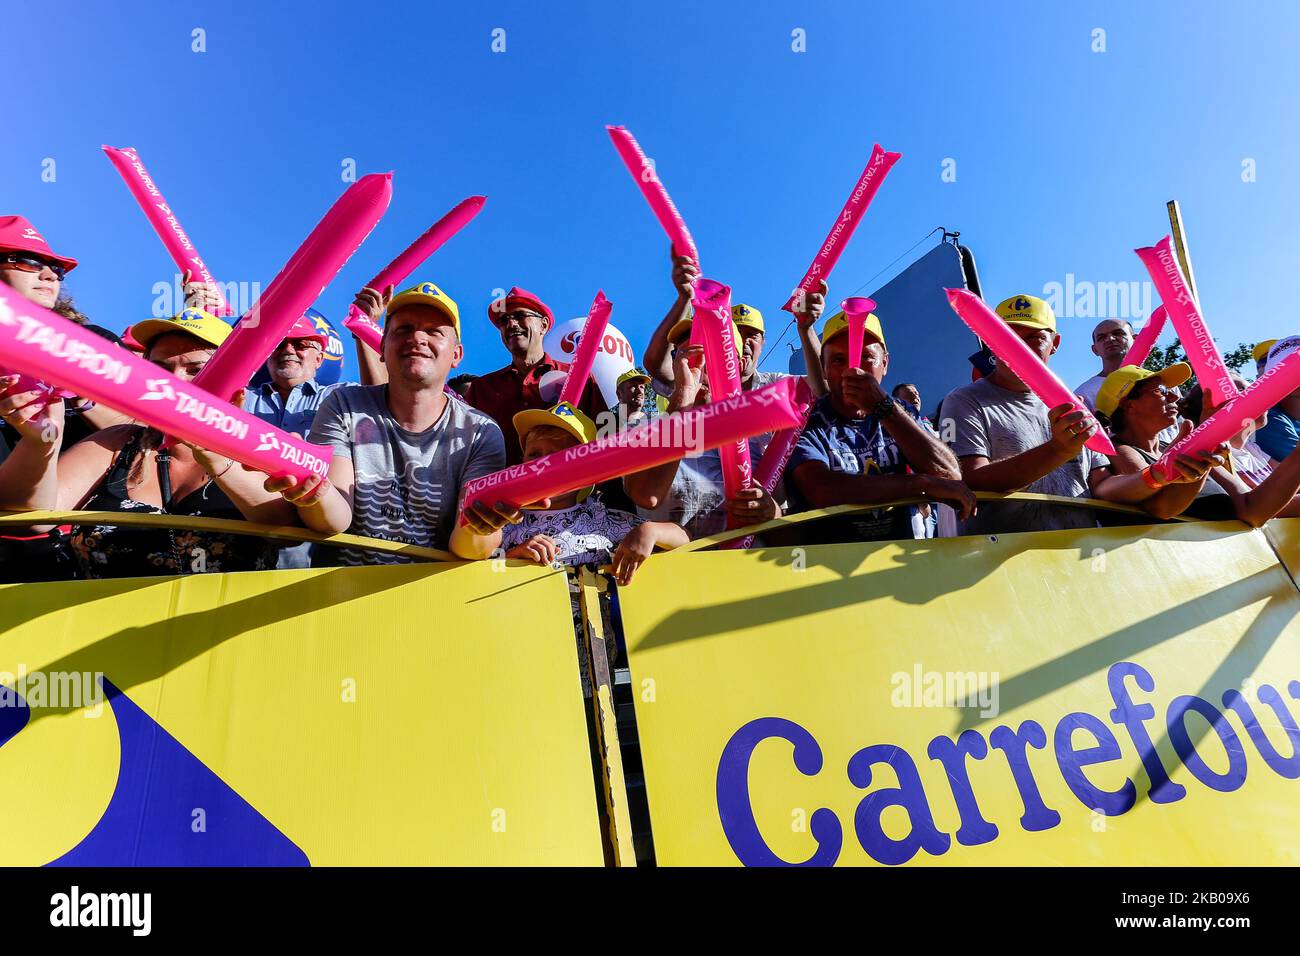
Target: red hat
305,328
129,341
18,235
518,296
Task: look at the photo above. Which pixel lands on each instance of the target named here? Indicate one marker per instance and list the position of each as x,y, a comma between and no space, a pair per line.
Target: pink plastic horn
856,310
1146,339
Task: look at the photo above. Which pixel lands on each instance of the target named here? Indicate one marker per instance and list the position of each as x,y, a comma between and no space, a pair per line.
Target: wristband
1149,477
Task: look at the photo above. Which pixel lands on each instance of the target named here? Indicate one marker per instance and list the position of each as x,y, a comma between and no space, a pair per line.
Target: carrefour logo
1021,304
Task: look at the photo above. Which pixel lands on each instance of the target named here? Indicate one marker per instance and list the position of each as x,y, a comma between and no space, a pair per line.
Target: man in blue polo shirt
863,447
290,398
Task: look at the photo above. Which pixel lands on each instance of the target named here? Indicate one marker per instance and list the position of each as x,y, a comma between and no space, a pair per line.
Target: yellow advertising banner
400,715
1123,696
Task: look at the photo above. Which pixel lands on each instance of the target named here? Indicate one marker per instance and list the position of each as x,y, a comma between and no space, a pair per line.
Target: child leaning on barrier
577,528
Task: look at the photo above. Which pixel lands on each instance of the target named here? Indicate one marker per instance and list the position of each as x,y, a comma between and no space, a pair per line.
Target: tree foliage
1163,357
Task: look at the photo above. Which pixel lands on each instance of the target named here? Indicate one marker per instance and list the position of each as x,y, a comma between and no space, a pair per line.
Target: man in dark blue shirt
860,445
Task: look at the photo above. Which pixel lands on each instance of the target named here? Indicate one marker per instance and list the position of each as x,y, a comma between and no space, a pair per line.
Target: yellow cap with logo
1029,311
1120,383
426,293
563,416
743,314
204,326
633,374
839,323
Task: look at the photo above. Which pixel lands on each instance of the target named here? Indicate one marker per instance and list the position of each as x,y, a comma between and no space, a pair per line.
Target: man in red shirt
523,321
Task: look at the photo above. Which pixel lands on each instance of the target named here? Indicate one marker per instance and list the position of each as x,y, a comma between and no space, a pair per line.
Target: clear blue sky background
1064,157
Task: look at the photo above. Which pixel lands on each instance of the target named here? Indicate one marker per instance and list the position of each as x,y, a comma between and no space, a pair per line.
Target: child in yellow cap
578,528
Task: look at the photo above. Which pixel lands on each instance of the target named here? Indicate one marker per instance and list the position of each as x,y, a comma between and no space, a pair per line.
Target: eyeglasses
301,345
32,264
519,315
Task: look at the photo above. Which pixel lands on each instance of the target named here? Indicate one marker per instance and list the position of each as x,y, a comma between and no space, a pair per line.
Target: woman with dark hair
124,469
1137,405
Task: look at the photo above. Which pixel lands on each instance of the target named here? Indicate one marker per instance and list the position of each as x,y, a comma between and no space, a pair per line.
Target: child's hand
538,549
753,506
632,552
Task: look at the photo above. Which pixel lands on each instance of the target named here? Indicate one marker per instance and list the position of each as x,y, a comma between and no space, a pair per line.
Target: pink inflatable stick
1146,339
1029,368
1279,380
585,357
1177,298
160,216
856,310
712,306
877,168
299,284
664,439
777,454
647,180
400,269
48,346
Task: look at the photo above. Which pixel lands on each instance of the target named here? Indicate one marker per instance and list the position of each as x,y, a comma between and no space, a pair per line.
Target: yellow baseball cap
839,322
204,326
1120,383
1260,351
743,314
426,293
562,415
633,374
1029,311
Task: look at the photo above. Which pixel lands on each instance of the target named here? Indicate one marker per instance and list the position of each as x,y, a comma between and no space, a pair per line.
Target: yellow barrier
388,715
1117,696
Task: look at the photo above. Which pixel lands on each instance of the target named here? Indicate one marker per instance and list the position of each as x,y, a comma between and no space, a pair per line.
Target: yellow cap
562,415
1029,311
633,374
426,293
1120,383
1260,351
743,314
204,326
839,322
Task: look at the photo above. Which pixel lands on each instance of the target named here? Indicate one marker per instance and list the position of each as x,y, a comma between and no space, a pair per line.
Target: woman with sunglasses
124,469
1138,405
36,272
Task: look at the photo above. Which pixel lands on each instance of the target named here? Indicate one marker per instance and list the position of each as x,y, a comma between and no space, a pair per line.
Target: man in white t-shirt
1111,341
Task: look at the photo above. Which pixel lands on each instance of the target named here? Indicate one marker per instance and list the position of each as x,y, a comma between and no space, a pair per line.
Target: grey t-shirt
997,423
407,483
1089,389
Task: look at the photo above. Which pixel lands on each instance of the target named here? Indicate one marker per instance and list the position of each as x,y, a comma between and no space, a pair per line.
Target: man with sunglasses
290,398
522,319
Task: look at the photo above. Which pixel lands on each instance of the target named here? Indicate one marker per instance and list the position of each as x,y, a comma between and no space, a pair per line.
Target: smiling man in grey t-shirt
404,450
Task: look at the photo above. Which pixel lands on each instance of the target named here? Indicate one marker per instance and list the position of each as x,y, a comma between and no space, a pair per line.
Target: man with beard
403,450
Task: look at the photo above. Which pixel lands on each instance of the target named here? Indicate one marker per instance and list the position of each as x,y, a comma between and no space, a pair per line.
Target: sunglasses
32,264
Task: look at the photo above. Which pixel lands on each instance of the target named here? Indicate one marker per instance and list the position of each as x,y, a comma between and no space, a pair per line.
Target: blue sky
1064,157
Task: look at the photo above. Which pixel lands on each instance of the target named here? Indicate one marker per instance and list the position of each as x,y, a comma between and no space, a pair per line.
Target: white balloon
613,358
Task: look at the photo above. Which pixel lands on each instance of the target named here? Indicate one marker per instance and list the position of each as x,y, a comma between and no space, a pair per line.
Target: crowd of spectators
411,432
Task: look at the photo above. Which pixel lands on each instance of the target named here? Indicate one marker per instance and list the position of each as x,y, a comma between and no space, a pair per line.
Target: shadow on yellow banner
344,716
1121,696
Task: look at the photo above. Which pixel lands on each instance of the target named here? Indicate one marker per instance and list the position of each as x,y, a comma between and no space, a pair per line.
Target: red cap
129,341
517,296
305,328
18,235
